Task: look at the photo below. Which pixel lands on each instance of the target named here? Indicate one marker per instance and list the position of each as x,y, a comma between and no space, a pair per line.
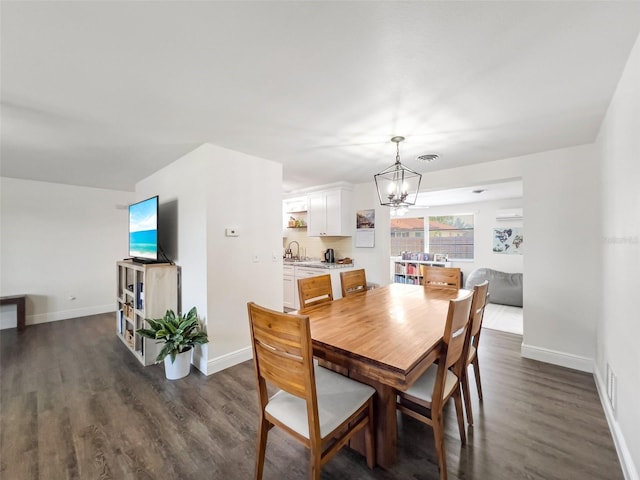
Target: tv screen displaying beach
143,229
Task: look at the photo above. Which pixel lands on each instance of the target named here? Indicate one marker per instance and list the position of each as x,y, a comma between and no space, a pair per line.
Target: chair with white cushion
320,408
353,282
480,299
314,291
441,277
426,398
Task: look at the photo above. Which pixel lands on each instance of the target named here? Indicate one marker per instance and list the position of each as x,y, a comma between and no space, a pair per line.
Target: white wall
562,264
182,186
374,260
619,321
215,188
58,241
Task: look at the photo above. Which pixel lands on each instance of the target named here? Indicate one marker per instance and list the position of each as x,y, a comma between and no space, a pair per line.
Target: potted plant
179,334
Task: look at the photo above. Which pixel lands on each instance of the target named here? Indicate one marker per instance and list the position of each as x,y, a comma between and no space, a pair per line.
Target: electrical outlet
256,258
231,232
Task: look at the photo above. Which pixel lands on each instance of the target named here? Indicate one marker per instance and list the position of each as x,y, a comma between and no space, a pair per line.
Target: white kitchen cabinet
330,214
289,287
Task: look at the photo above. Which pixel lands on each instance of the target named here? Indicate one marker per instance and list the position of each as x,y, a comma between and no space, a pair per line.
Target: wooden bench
19,302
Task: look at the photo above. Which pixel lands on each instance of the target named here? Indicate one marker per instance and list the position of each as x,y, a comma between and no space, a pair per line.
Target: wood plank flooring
75,404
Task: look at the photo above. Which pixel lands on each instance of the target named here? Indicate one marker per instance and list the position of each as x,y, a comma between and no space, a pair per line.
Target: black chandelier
397,185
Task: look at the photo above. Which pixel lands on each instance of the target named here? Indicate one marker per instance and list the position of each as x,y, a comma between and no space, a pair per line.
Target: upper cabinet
330,214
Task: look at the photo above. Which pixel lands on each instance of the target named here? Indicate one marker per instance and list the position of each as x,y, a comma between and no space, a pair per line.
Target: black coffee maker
330,256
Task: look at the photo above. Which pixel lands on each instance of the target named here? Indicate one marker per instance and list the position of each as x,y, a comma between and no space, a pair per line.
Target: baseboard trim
67,314
555,357
626,461
229,360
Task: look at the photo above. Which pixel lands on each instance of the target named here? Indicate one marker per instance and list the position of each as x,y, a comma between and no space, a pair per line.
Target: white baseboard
626,461
66,314
229,360
554,357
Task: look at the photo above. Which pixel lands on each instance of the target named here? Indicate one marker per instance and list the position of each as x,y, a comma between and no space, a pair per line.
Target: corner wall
562,263
618,326
60,241
221,274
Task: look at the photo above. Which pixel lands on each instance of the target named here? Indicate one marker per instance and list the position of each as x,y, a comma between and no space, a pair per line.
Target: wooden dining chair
441,277
353,282
480,299
321,409
314,291
426,398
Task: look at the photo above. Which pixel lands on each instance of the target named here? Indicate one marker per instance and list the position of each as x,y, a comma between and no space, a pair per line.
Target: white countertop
317,264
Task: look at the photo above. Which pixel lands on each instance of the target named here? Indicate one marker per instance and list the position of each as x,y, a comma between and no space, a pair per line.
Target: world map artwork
508,240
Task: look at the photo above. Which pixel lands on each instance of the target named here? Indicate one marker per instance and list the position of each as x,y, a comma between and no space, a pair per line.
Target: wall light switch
231,232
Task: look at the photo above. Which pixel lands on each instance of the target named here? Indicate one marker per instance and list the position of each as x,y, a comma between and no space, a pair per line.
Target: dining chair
321,409
353,282
480,299
314,291
426,398
441,277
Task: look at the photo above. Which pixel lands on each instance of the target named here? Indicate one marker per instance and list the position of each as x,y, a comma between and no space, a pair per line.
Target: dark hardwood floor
74,403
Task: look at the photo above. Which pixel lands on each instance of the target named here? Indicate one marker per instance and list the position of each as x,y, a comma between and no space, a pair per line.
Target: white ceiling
475,193
103,94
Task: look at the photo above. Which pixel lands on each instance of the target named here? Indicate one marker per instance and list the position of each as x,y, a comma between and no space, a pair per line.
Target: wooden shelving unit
144,291
408,271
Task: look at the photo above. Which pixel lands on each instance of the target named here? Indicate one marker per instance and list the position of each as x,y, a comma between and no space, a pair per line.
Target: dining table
385,337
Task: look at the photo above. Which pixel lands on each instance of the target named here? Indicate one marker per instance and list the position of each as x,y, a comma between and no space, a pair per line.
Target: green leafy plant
178,333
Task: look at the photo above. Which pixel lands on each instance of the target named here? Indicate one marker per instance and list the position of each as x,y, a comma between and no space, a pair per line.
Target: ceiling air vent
428,157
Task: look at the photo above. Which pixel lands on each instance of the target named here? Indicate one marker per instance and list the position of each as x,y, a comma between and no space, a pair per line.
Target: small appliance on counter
330,256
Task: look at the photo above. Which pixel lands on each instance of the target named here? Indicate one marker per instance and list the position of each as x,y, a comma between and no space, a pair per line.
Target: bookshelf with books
408,270
144,291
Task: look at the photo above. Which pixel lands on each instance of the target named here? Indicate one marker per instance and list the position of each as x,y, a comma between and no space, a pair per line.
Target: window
407,235
451,235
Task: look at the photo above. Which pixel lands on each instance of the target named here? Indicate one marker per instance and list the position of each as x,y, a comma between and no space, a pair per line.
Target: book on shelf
139,296
417,256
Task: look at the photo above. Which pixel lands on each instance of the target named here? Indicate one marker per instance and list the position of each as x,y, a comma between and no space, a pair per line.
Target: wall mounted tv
143,230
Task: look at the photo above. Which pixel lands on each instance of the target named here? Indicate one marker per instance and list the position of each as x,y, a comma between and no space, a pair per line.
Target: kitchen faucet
297,255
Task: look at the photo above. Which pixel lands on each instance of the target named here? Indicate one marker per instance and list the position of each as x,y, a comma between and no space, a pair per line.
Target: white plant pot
180,368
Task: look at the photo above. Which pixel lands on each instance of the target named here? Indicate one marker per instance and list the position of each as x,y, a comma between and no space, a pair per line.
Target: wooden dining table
385,337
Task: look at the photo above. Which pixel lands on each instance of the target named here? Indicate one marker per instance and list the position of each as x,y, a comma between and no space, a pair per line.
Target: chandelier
397,185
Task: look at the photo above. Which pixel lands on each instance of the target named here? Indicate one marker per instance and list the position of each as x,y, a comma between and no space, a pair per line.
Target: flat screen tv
143,230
